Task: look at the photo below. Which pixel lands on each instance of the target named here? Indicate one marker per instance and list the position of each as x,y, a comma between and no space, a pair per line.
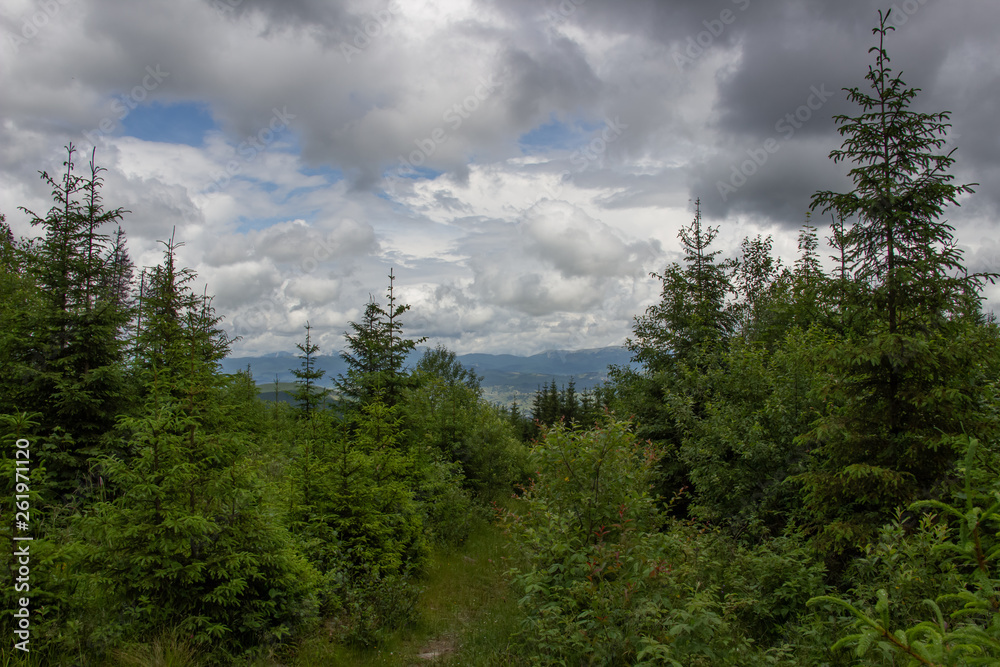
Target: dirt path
437,649
463,610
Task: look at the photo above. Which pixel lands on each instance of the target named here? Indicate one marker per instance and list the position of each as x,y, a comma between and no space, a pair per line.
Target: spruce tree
903,372
692,318
308,396
364,356
376,353
71,365
187,543
398,347
570,402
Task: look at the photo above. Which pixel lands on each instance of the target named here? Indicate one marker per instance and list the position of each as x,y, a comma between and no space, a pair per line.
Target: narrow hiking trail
466,612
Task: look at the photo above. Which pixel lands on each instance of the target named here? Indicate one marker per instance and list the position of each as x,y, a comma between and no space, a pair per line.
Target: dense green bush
445,412
932,596
604,581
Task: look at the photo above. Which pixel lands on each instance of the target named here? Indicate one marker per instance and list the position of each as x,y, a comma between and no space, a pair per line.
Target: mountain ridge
506,377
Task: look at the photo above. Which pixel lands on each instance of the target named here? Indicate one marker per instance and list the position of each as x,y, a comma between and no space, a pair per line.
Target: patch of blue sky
248,223
413,173
402,171
331,174
319,178
181,123
557,135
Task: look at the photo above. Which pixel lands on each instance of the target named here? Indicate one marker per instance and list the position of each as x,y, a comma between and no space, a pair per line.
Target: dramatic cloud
521,165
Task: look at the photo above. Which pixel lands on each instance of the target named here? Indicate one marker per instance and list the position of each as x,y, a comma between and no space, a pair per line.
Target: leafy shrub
601,584
452,418
449,512
953,554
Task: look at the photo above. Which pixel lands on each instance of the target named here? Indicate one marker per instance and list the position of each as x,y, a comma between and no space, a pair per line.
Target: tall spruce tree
903,373
692,317
307,395
187,543
71,365
364,356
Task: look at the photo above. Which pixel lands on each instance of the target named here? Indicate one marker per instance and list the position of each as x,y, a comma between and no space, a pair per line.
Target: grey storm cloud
405,144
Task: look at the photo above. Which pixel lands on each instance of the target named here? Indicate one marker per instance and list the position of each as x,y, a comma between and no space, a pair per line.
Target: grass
467,617
467,614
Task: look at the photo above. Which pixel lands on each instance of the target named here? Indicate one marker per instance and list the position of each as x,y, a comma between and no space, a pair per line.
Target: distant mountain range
506,377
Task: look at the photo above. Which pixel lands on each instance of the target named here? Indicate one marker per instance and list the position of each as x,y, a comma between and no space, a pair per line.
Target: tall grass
467,614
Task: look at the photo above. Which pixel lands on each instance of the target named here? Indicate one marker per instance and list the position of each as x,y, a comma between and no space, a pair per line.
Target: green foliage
443,364
902,376
691,318
597,587
449,510
756,277
70,309
357,507
376,353
186,543
965,624
579,532
553,405
737,448
307,395
446,413
864,466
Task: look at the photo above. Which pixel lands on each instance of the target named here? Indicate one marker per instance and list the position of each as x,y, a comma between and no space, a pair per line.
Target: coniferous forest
801,467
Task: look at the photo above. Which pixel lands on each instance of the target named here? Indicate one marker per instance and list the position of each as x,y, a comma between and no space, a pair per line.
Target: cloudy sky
522,165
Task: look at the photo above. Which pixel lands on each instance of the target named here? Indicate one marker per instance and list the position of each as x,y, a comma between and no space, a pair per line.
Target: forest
800,467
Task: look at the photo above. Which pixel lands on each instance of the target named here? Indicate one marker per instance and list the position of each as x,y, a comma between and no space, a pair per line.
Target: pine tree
186,543
570,404
397,346
71,364
692,318
898,250
364,356
307,394
903,379
376,353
